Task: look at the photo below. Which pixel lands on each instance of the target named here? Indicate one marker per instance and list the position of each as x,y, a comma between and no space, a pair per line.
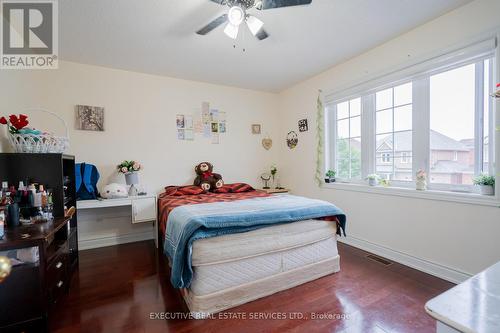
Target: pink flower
136,166
124,170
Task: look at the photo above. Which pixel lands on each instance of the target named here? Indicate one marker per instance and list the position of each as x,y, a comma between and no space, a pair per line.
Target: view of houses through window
457,100
393,119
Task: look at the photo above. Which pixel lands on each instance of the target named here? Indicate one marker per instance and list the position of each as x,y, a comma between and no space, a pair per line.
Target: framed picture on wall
89,118
303,126
256,128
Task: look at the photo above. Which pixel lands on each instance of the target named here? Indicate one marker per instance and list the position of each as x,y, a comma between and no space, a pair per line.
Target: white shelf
105,203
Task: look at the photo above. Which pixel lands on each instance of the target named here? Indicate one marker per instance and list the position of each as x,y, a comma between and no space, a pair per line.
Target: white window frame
331,138
478,121
419,74
401,183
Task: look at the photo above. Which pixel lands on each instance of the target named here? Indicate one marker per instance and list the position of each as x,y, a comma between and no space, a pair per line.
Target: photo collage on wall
209,123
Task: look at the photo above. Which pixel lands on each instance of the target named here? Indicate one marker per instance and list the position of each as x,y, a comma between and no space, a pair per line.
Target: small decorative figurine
421,183
266,177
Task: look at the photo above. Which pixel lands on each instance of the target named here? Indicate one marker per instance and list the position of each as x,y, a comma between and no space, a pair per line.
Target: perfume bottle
2,224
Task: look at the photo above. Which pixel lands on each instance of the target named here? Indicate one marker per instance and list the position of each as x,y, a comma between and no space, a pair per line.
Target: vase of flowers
486,184
373,179
274,172
130,169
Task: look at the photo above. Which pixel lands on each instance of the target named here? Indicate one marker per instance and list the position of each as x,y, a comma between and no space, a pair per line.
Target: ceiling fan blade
254,24
231,30
269,4
220,2
212,25
262,34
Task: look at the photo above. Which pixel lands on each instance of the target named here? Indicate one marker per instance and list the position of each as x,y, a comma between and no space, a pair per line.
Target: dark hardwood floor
117,288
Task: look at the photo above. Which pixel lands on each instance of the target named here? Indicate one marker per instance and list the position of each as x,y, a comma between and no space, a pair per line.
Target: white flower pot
421,185
131,178
486,190
373,182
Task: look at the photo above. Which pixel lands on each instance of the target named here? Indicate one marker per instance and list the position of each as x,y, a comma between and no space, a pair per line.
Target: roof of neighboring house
468,143
403,142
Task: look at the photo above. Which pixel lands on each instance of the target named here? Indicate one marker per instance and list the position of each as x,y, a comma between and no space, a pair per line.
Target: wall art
89,118
256,128
179,121
267,143
303,126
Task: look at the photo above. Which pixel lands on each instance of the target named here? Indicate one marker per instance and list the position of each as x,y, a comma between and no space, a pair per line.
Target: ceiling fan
237,14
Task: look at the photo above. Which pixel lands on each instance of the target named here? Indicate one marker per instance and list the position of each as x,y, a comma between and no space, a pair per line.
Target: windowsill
467,198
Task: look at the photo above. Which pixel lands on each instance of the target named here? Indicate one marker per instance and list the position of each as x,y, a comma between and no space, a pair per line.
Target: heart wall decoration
267,143
292,139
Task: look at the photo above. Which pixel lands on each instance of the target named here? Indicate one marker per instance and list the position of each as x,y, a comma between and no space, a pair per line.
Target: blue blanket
191,222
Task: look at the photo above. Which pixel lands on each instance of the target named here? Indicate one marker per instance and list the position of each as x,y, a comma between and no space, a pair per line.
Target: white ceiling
158,37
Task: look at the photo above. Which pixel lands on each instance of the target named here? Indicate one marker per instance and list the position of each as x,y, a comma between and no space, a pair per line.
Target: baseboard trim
87,244
440,271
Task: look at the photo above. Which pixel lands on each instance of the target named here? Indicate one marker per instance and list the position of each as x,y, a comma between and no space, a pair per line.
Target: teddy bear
206,178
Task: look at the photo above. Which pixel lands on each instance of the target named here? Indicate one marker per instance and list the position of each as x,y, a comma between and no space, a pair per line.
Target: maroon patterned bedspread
172,198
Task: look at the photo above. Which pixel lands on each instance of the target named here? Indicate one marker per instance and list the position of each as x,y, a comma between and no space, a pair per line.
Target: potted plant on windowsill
486,184
330,176
373,179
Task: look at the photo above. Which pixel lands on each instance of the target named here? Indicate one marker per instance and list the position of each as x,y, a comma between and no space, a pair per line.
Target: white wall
140,113
460,237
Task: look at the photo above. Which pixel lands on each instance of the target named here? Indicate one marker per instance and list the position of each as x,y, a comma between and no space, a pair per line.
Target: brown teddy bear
206,179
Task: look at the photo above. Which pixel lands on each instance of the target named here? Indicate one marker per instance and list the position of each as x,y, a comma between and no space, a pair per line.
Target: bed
241,260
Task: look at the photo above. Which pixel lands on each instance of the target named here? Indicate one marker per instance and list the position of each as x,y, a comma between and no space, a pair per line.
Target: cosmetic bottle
2,224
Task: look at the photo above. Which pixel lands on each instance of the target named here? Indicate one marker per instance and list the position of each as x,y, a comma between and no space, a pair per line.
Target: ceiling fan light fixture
231,30
236,15
254,24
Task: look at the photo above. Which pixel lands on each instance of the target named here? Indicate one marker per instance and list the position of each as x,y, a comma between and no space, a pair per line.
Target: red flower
20,122
498,85
3,121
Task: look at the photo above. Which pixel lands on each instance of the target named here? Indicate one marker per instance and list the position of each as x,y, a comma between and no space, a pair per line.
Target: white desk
472,306
143,208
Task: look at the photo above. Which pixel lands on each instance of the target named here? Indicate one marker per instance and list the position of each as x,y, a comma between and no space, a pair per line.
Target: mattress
225,262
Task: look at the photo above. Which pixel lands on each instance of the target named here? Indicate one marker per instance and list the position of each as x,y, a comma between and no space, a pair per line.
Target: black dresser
49,251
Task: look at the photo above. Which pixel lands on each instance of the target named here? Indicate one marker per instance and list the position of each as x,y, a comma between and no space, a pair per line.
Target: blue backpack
86,178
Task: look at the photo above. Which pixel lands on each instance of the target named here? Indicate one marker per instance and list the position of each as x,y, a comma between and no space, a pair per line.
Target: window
386,158
457,146
437,116
348,139
393,118
405,157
